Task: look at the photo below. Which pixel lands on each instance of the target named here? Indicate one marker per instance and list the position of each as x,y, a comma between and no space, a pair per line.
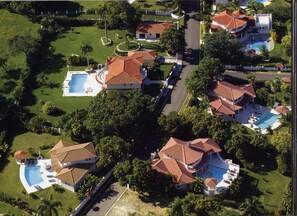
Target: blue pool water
32,175
77,83
261,1
268,120
214,172
256,45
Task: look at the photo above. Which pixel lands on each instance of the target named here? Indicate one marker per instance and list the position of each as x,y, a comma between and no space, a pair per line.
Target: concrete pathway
259,75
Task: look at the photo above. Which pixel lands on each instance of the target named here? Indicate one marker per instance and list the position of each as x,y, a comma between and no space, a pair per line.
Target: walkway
259,75
190,58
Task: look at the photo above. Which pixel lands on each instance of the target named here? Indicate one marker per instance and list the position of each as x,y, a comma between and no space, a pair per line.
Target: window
141,35
157,35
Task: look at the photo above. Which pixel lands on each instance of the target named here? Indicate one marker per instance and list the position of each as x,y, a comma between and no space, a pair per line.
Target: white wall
122,86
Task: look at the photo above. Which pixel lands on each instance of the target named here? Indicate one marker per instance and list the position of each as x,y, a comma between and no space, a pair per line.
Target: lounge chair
50,176
226,181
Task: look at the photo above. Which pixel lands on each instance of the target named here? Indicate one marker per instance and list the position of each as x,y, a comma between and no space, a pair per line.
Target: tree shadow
52,63
156,199
12,74
250,186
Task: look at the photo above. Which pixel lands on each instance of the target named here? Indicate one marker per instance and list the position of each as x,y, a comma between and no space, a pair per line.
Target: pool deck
91,86
258,112
47,176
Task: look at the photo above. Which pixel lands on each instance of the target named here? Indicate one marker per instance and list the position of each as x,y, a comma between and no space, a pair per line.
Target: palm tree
264,51
48,207
86,48
255,6
41,79
251,207
102,13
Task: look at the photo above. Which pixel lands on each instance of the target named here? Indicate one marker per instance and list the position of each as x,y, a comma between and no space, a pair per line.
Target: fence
256,68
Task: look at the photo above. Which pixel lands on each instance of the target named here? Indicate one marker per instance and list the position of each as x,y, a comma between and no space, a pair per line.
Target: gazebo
20,156
210,184
282,109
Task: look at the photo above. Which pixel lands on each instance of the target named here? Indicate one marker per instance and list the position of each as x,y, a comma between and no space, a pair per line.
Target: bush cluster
75,60
49,109
16,202
66,21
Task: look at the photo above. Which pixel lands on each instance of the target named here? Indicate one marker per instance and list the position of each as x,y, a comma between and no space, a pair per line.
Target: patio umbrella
19,155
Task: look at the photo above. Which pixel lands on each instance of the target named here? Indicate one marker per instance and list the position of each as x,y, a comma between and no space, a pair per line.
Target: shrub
58,188
35,124
76,60
282,167
49,109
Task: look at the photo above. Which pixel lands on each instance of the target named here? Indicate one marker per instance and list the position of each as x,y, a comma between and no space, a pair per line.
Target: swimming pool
214,172
261,1
268,120
77,83
32,175
256,45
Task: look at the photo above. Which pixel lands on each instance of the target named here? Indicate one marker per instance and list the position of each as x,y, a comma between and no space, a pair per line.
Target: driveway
190,58
106,200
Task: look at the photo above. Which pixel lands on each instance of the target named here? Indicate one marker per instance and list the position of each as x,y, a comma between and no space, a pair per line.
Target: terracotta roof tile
146,54
282,109
153,28
206,145
124,70
229,20
211,182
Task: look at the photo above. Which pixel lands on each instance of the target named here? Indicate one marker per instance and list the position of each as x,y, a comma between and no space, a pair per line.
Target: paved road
106,200
259,75
190,58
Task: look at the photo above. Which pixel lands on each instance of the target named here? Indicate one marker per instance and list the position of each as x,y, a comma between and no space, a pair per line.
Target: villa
240,25
122,73
226,99
72,162
200,157
151,31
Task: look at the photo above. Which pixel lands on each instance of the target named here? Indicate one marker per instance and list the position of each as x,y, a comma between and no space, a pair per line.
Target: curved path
190,57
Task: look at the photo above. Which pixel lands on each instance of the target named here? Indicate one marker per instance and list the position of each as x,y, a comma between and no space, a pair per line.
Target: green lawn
155,5
67,44
9,176
268,187
89,4
9,210
154,17
165,69
14,25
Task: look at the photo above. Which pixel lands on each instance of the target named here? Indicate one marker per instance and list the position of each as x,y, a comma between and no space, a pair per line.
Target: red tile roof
211,182
230,20
124,70
178,156
146,54
286,80
153,28
232,92
282,109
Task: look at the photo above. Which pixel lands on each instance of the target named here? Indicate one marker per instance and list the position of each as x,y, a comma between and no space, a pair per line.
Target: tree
286,119
222,46
259,140
49,109
286,202
173,40
120,15
281,140
122,114
73,123
264,51
48,207
251,79
102,11
174,125
273,35
287,45
251,207
112,149
201,77
87,186
86,49
35,124
236,188
25,44
262,96
197,185
138,174
255,6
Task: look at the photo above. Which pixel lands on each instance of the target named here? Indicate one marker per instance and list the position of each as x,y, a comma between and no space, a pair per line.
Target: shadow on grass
156,199
250,187
12,74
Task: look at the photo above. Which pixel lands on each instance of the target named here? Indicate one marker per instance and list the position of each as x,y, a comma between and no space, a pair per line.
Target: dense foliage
87,186
126,114
202,77
173,40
